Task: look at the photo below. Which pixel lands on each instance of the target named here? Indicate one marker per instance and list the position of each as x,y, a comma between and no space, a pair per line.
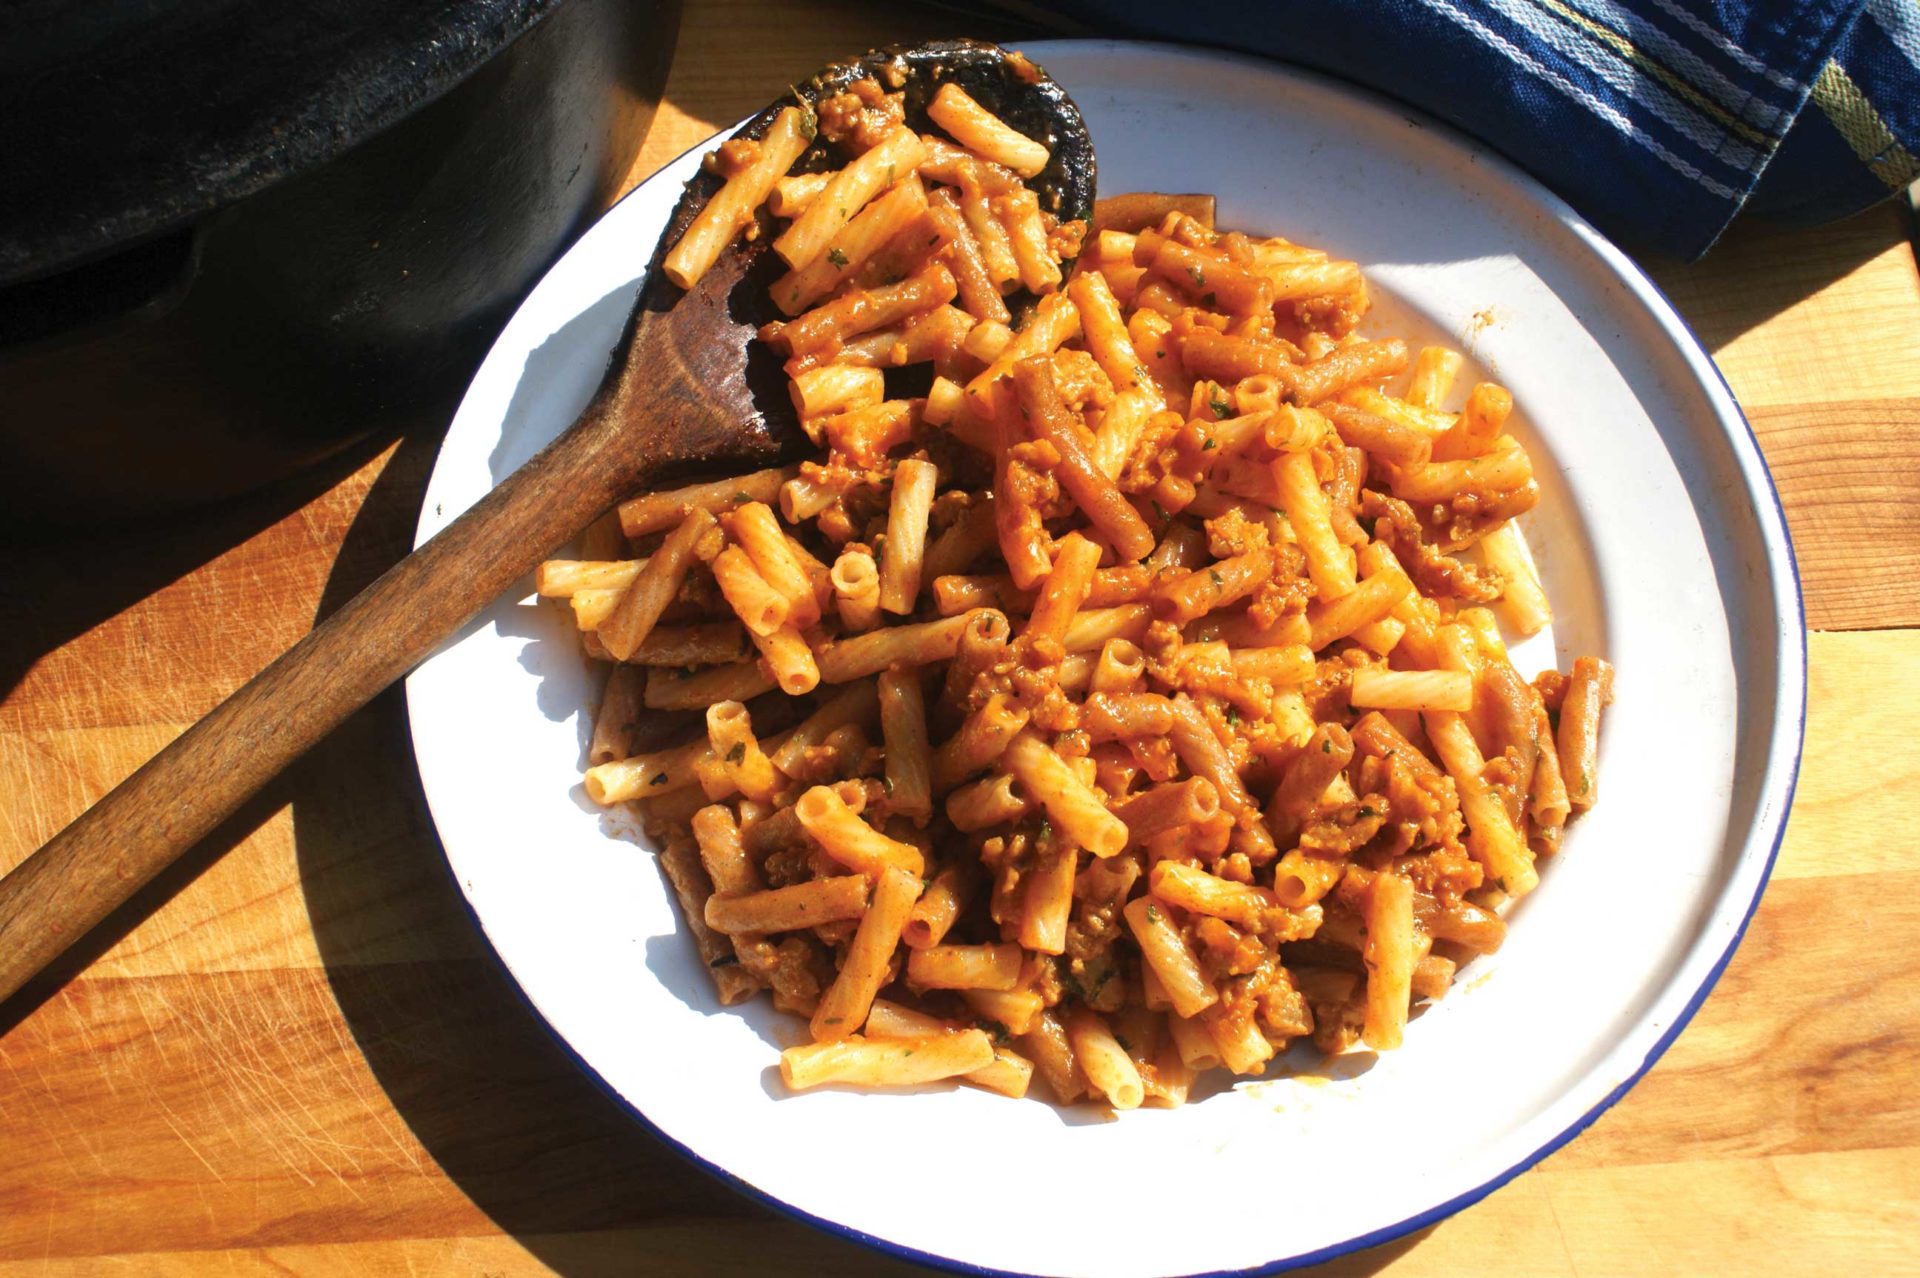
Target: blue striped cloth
1658,119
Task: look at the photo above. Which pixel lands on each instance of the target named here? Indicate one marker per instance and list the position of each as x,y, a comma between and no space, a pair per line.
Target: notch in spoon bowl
742,388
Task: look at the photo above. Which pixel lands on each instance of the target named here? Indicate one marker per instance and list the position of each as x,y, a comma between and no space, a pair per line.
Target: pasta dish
1120,691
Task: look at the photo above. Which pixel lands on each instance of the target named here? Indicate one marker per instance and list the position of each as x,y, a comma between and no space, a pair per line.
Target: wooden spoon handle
182,793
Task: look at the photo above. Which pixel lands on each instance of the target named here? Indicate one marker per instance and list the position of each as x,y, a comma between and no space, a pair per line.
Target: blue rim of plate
1774,534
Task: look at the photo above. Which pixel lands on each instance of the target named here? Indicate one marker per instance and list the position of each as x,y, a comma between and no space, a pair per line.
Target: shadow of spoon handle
146,822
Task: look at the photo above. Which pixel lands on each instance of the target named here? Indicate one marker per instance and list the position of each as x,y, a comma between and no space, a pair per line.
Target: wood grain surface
299,1056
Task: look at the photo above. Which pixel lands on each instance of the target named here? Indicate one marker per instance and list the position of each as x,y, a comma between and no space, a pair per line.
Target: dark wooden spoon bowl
686,391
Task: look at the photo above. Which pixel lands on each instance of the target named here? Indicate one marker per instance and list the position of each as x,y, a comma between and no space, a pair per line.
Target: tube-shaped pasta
843,1008
1366,603
676,689
979,650
1050,419
982,738
1106,1064
1049,901
1523,603
1381,437
1383,689
1578,742
731,208
1075,808
722,853
1172,959
894,1062
789,909
613,726
1193,1043
1299,880
561,578
903,726
827,327
1479,423
1097,627
835,388
645,775
990,801
1121,666
849,840
1329,563
1491,836
846,194
1218,585
1198,892
1169,806
919,644
754,526
1046,1042
1243,1048
1349,366
984,133
1434,369
754,599
1119,716
787,655
1061,594
1194,741
965,967
1499,470
1105,331
1389,957
657,512
1027,236
850,246
904,554
856,588
792,194
940,905
859,704
653,587
1009,1074
731,736
979,293
1285,664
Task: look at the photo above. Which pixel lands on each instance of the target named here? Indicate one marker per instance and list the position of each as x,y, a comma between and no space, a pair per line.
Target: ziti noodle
1129,700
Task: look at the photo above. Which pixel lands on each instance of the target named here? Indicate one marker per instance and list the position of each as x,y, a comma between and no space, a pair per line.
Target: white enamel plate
1663,549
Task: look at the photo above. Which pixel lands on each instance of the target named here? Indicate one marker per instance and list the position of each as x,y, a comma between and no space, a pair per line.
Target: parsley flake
660,779
1153,912
1220,407
838,258
1219,582
738,752
1199,276
1210,445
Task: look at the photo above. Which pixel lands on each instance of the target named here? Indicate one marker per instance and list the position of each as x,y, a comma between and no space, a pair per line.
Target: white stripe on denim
1899,21
1716,140
1726,45
1735,98
1603,110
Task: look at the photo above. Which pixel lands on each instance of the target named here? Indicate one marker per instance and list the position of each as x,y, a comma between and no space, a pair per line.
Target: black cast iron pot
236,235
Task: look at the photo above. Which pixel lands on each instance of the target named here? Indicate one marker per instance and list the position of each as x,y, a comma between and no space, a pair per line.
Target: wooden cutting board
301,1057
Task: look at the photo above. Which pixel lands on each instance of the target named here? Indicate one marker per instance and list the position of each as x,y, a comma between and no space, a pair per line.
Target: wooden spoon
684,392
